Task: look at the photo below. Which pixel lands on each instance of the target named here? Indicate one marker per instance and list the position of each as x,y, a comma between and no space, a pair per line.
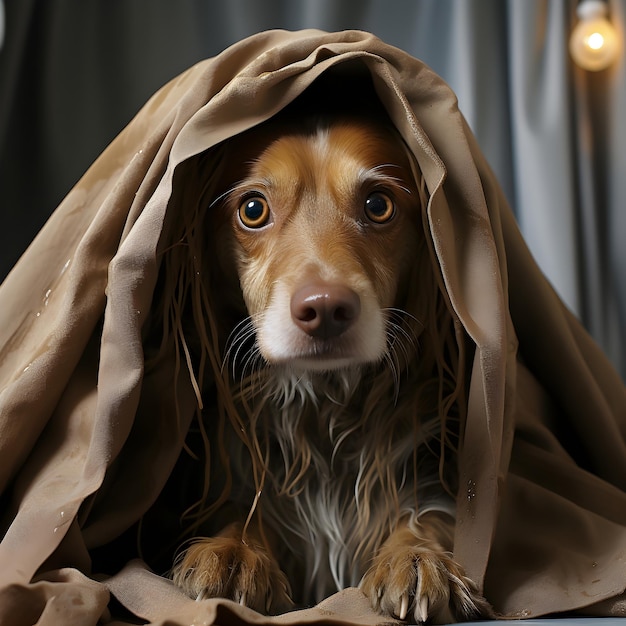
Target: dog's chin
321,364
320,357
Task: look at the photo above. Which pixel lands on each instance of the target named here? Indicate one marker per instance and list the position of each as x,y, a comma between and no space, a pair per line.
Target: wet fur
338,456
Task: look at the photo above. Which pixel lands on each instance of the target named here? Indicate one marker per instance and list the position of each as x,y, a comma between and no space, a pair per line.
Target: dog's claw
421,584
422,609
404,606
242,599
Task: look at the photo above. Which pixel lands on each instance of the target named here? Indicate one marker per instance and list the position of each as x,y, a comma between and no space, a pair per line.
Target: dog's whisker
237,337
406,337
400,343
401,333
398,348
248,355
405,319
377,175
225,194
244,323
253,364
390,358
243,334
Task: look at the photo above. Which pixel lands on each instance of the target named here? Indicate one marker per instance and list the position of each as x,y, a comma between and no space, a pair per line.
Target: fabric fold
96,397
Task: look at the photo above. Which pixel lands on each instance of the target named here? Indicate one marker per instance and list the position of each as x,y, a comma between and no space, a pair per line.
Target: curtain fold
554,135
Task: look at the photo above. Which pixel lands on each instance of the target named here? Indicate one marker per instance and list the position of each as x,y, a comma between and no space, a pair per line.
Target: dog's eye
379,207
254,212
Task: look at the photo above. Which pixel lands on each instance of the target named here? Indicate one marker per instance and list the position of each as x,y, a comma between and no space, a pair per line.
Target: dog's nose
323,310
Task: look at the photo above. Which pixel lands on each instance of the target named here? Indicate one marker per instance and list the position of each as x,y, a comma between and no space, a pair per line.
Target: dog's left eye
254,212
379,207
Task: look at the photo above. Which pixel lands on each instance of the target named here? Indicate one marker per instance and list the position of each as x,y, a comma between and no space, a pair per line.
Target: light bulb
593,44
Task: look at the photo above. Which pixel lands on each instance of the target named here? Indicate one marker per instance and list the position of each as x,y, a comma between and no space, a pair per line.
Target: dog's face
323,225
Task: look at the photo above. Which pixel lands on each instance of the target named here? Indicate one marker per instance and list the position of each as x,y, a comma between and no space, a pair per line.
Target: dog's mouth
323,356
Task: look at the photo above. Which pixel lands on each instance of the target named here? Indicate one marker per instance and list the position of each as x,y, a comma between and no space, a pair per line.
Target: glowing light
594,44
595,41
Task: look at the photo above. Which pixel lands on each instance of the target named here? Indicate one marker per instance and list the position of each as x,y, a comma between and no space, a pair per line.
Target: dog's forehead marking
332,164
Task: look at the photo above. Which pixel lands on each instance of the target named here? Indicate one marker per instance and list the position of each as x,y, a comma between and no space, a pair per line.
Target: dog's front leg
235,566
414,573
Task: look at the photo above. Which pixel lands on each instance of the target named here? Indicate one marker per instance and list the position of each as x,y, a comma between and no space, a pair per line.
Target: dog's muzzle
325,311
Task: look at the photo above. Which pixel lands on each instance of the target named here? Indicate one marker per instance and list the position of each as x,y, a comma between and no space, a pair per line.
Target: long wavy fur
421,380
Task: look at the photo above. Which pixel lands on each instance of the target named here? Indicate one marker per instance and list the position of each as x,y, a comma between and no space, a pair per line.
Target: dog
344,382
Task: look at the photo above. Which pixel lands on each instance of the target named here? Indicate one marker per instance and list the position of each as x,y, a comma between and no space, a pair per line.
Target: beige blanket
88,436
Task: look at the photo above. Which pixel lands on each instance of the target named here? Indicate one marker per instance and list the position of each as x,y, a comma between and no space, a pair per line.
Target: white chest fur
340,473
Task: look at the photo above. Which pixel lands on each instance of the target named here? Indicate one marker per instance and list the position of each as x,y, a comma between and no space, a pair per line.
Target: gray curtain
72,74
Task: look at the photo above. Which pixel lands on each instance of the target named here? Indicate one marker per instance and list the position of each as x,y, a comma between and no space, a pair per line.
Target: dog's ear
191,247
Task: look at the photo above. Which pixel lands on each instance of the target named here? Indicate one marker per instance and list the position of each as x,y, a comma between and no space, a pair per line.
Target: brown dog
348,384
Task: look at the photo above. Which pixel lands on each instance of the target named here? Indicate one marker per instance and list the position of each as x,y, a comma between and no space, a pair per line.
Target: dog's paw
422,584
226,567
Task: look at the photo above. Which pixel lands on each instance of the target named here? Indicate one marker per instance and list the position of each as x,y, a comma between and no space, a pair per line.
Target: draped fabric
89,433
73,74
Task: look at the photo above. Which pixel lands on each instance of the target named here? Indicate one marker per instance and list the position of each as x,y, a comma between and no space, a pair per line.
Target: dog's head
322,222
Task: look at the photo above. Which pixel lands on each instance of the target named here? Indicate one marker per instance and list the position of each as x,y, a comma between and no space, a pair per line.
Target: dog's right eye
254,212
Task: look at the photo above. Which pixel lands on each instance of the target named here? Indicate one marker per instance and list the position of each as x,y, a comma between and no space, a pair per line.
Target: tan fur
236,566
341,448
414,570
